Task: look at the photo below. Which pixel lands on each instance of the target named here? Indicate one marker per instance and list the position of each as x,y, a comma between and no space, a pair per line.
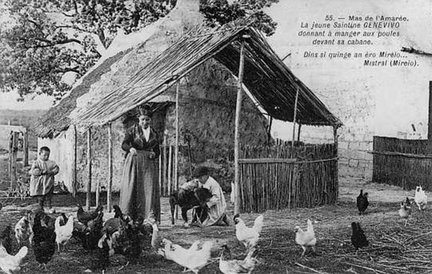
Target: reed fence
279,177
400,162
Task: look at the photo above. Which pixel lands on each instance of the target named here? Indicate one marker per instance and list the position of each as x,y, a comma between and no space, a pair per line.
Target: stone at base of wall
363,171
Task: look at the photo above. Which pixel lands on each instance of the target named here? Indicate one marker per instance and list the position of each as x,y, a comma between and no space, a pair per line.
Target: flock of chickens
117,233
114,233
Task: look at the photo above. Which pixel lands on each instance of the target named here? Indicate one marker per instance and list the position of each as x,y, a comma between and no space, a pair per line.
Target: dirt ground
393,248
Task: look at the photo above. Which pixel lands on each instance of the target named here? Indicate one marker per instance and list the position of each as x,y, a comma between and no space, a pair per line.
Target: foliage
44,40
46,44
220,12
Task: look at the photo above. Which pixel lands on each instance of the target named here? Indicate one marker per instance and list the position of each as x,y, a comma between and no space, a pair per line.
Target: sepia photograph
215,136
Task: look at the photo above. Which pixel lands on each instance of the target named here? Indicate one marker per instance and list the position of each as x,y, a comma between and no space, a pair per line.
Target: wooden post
89,169
298,132
294,121
429,146
13,150
169,169
26,148
74,161
177,137
336,143
110,168
236,130
165,165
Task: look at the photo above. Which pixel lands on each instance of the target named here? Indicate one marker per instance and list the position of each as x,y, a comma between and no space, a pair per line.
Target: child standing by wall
42,174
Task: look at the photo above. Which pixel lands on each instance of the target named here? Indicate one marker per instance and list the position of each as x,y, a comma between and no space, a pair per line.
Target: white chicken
63,233
305,238
11,264
227,266
420,198
24,230
193,258
248,235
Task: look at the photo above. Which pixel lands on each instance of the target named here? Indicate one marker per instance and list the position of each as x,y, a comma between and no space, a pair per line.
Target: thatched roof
57,118
267,78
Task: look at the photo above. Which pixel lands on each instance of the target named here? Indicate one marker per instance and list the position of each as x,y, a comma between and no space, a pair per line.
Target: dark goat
188,200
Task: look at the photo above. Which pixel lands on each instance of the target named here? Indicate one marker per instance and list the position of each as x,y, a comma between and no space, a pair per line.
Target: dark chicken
124,234
85,217
358,238
44,244
6,240
362,202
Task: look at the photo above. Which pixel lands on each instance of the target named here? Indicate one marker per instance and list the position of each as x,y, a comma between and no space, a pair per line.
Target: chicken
85,217
63,233
44,240
228,266
92,232
358,238
306,238
125,234
11,264
405,210
362,202
248,235
24,230
420,198
193,258
104,251
6,239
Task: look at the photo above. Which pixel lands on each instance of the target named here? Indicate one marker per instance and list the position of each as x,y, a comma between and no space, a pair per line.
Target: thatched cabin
198,68
207,107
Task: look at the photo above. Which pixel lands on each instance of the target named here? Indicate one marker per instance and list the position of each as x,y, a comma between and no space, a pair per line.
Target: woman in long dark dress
139,192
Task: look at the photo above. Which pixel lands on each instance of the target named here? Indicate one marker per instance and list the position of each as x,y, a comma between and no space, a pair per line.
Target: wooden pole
176,152
298,132
429,146
13,150
74,161
336,173
110,168
177,136
170,158
294,120
26,148
236,130
89,169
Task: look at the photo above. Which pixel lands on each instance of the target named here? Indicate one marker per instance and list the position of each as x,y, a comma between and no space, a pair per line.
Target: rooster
358,238
228,266
5,239
405,210
23,229
11,264
248,235
44,240
63,233
420,198
193,258
305,238
362,202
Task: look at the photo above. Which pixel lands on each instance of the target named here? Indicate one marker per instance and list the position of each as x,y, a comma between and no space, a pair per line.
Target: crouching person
216,205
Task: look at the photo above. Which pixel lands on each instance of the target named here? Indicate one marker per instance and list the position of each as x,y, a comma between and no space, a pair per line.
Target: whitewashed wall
383,101
62,152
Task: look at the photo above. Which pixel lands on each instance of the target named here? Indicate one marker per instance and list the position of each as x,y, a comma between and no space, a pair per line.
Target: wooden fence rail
275,183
